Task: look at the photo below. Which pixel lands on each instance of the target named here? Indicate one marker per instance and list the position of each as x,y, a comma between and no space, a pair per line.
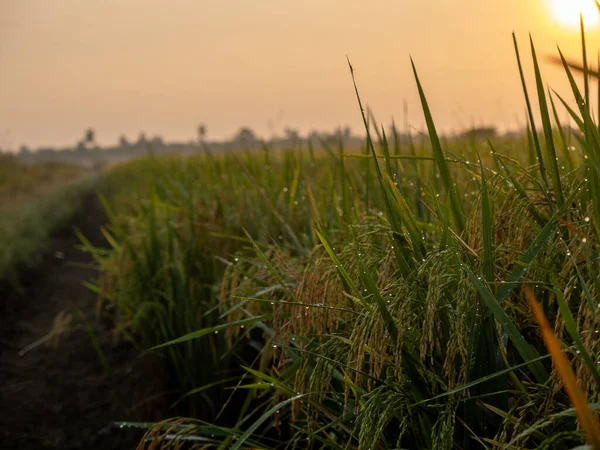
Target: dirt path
62,398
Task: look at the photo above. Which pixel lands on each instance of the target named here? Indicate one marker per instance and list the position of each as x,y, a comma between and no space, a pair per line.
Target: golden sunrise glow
567,12
67,65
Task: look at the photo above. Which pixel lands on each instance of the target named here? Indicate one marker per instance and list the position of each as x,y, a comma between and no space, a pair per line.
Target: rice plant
368,298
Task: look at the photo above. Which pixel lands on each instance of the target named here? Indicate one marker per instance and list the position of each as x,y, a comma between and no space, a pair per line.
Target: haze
123,67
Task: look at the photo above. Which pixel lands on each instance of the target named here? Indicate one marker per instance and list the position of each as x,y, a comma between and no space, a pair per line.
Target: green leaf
343,274
449,185
536,141
205,331
373,290
401,251
571,328
547,125
481,380
487,228
527,352
525,261
262,419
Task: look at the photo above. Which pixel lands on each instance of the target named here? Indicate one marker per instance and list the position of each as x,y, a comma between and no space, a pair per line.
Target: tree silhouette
245,136
90,137
142,140
123,142
201,132
291,134
88,141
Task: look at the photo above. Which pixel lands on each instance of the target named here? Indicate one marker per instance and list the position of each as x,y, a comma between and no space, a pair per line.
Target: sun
567,12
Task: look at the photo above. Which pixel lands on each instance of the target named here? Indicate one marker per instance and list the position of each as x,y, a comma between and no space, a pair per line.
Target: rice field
35,201
381,297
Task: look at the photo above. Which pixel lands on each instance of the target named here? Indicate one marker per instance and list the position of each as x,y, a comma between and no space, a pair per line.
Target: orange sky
125,66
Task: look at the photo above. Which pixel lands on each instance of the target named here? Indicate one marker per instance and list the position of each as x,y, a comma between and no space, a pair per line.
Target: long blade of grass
373,290
263,258
346,279
527,352
456,204
487,228
206,331
401,251
479,381
571,328
547,126
262,419
536,141
561,133
586,75
588,421
589,128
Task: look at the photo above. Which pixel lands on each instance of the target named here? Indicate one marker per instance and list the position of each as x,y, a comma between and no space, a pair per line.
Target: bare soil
63,397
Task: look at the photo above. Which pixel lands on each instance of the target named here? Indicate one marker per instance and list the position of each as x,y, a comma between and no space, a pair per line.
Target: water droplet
587,219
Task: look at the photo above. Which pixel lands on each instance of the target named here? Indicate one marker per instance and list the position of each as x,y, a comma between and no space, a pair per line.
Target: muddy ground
64,397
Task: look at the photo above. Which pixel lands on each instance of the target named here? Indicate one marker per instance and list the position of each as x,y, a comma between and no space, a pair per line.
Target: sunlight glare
567,12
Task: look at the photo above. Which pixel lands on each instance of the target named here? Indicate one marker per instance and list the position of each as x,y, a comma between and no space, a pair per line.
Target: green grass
365,299
22,182
35,202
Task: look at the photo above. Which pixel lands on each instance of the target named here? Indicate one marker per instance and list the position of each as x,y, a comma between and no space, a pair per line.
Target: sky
163,67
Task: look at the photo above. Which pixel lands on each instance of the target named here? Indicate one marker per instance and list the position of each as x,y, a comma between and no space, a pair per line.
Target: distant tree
481,133
245,136
201,132
88,141
314,136
90,137
346,132
24,150
157,142
142,140
291,135
123,142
